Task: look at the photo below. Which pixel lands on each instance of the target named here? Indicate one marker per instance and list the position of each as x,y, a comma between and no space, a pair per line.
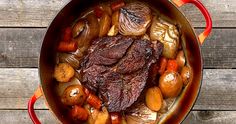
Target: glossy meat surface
117,69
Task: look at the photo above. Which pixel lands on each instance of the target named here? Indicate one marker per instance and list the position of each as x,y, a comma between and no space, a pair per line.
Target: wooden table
23,24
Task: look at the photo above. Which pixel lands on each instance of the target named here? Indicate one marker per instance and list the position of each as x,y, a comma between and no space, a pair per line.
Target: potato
73,95
154,98
170,84
187,75
103,117
105,23
93,113
63,72
180,58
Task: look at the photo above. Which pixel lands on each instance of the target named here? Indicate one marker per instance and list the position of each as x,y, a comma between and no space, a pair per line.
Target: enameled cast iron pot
169,8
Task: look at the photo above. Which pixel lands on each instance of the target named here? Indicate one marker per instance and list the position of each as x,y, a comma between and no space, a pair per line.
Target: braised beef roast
117,69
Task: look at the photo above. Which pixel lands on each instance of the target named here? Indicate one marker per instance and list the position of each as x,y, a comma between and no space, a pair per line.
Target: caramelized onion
140,114
104,24
167,34
134,19
72,59
78,28
90,31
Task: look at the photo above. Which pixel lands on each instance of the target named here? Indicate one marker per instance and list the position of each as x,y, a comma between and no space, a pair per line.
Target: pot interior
167,11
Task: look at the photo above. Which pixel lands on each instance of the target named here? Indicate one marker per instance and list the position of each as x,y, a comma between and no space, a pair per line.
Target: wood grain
211,117
194,117
39,13
217,92
22,117
29,13
19,47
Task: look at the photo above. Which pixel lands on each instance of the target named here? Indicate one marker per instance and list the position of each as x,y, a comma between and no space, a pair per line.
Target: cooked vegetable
164,107
163,64
60,88
71,59
78,28
172,65
73,95
86,91
123,120
67,35
67,46
180,59
115,18
187,75
90,32
170,84
63,72
103,117
93,113
94,101
104,24
99,10
154,98
115,118
139,113
145,36
117,5
167,34
106,8
134,19
79,113
113,31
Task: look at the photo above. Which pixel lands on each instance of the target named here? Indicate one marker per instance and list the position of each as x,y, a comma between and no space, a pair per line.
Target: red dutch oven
170,8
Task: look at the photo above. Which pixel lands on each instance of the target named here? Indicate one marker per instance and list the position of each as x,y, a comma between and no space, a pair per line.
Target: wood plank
211,117
222,12
39,13
195,117
29,13
19,47
217,92
22,117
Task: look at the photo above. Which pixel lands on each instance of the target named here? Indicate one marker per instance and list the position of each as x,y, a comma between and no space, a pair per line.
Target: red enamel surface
31,103
205,13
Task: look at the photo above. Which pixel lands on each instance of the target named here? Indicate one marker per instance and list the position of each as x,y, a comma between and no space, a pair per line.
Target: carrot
67,46
94,101
79,113
172,65
117,5
163,63
67,34
115,118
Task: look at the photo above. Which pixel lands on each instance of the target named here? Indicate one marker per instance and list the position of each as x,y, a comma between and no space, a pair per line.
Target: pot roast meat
117,69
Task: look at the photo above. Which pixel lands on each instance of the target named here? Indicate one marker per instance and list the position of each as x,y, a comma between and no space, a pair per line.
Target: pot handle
33,99
205,13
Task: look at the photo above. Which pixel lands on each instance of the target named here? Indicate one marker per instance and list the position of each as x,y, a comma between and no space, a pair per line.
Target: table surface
23,24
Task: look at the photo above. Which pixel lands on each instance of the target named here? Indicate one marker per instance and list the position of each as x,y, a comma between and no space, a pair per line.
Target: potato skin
63,72
187,75
73,95
170,84
154,98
